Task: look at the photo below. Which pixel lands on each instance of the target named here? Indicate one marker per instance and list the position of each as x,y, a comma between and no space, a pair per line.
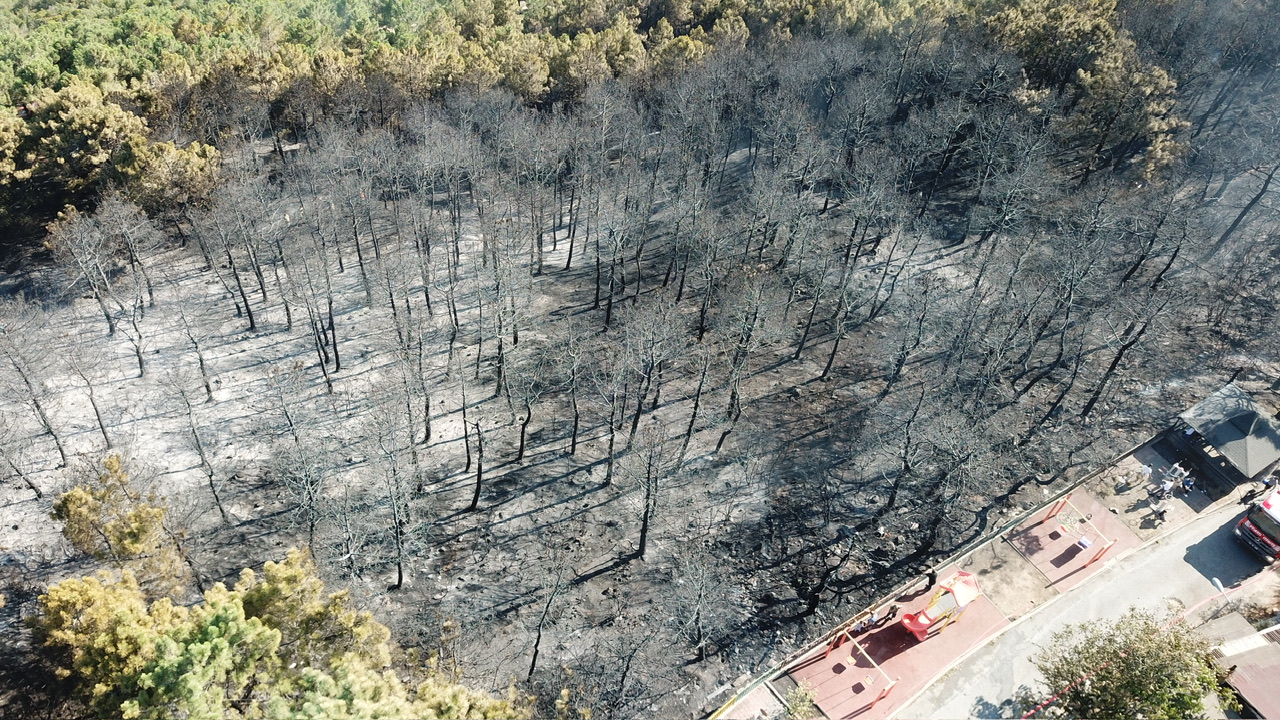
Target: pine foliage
274,646
110,519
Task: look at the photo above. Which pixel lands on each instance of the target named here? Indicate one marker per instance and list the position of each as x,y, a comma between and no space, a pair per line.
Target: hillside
627,392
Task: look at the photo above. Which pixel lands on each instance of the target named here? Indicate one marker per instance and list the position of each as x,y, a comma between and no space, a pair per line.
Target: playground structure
1037,550
868,680
1080,525
947,605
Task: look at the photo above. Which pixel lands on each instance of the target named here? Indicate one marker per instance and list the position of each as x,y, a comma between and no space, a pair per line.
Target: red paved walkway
1050,559
1053,545
846,689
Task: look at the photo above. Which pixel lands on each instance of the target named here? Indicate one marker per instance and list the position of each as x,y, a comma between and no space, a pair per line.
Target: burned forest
606,399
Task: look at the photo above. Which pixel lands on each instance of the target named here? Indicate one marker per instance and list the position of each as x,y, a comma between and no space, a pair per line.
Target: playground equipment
869,680
947,605
1080,525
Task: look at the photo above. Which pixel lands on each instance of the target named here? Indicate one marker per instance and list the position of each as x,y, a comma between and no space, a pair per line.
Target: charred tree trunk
475,497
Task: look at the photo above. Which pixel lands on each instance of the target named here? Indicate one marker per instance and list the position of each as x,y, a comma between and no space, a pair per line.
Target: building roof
1237,427
1255,679
1254,660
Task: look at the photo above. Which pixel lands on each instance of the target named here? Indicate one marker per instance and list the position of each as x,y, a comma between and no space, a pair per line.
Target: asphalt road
1173,572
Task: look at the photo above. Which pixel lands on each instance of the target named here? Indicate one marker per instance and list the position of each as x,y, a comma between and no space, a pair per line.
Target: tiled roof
1232,422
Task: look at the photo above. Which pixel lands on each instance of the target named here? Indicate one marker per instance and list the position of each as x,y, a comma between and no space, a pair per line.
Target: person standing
1260,489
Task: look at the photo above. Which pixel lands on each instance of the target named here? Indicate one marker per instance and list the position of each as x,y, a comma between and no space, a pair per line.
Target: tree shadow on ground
984,708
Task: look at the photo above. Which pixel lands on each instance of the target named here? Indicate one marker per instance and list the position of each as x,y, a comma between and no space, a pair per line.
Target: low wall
956,558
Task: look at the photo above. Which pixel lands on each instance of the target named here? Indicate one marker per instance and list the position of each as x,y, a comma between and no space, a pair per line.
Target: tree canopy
110,518
274,646
144,95
1140,665
137,95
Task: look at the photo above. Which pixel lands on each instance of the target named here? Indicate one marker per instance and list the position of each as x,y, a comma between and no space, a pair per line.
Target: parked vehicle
1259,529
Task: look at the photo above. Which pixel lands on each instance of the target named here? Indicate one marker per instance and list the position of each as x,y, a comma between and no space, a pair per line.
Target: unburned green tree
110,518
1140,665
274,646
1054,38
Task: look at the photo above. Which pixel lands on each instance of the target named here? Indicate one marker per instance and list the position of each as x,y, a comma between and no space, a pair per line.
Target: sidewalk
1063,545
1171,573
847,685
